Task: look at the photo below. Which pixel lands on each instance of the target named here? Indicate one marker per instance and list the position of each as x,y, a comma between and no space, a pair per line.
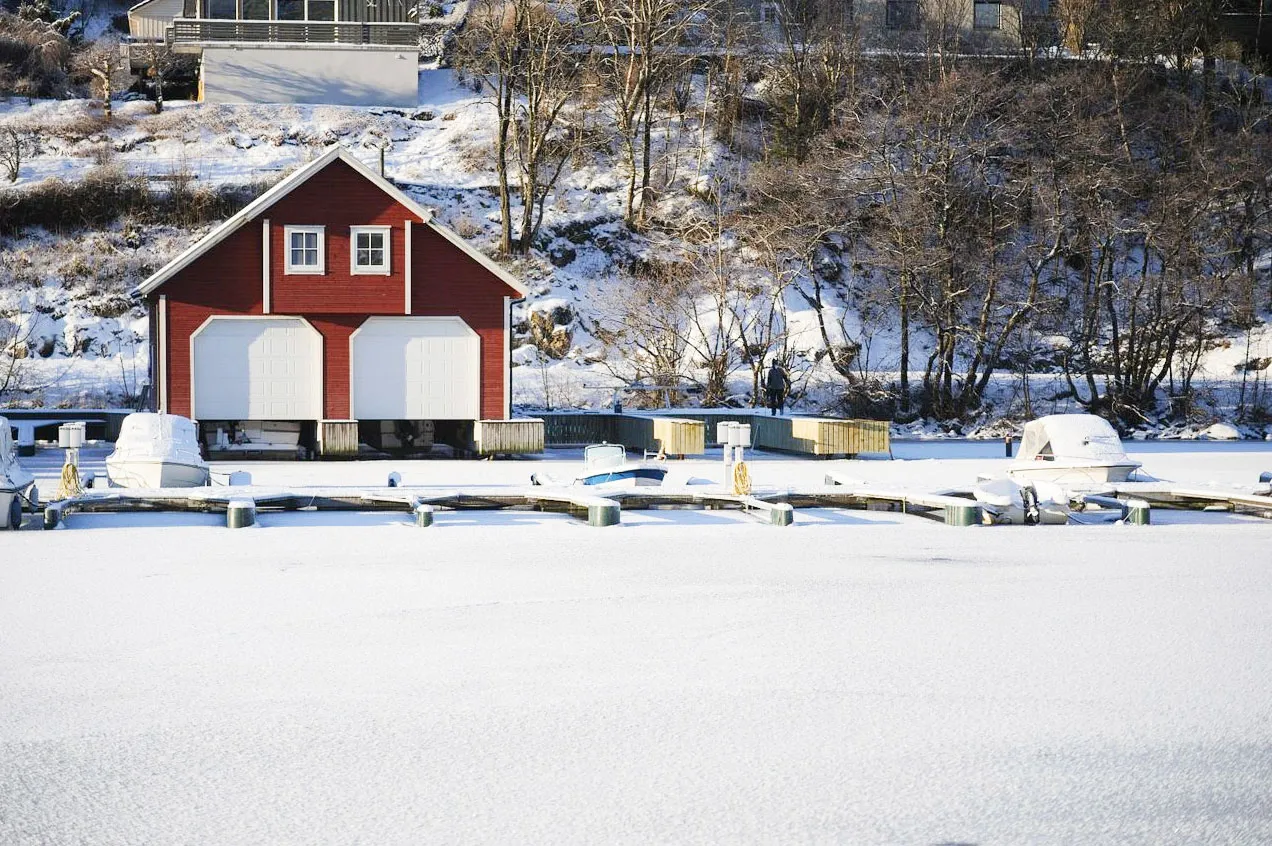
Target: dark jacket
777,380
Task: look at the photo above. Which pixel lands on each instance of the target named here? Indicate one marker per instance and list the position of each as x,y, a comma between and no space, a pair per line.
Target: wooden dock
241,505
690,431
596,510
1166,495
945,506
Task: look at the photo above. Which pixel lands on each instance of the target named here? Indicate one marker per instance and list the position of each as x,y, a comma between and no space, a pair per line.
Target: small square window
902,14
304,249
369,249
987,14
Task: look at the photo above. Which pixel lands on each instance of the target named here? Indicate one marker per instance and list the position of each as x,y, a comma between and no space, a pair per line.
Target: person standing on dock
777,384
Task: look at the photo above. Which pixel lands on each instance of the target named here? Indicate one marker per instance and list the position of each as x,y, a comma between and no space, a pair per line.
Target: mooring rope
741,479
70,485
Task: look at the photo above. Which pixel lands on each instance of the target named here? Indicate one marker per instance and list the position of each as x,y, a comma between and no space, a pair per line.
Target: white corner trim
507,357
406,261
265,266
384,270
304,269
161,369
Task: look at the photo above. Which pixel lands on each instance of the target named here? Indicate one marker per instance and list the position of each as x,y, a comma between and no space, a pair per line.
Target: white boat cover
162,437
12,474
1072,437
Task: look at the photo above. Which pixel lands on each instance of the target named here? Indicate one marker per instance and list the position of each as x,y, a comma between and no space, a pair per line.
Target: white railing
200,30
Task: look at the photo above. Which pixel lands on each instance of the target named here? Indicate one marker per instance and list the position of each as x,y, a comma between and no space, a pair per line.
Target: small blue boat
605,464
608,464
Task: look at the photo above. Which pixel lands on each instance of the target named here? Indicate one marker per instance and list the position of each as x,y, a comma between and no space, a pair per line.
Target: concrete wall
332,75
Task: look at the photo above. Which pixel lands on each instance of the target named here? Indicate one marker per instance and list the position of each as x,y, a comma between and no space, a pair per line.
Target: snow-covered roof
294,181
1071,436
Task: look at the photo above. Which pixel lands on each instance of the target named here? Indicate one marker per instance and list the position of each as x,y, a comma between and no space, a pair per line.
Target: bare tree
642,45
159,61
16,332
645,324
105,69
15,145
524,55
811,69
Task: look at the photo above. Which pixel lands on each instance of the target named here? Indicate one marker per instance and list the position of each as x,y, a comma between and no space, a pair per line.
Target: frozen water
685,677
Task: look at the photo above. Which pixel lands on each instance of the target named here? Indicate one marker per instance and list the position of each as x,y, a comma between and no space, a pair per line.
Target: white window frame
369,270
304,269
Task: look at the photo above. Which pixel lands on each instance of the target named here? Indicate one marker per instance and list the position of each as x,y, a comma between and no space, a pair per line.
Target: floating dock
600,508
1167,495
772,507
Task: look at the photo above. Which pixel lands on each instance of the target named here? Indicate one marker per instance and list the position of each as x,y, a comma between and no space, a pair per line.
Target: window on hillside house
902,14
255,10
304,249
369,249
987,14
291,10
322,10
222,10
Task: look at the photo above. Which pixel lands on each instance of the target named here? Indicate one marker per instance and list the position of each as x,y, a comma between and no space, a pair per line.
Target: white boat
16,484
157,451
1003,501
608,464
1071,449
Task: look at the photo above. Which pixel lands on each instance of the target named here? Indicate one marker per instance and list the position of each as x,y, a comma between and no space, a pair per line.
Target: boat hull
141,473
1071,474
626,476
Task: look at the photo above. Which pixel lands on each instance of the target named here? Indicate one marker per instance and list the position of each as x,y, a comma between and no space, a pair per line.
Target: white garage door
415,368
257,369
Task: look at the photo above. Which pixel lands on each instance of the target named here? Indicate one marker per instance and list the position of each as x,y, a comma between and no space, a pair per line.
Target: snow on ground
684,677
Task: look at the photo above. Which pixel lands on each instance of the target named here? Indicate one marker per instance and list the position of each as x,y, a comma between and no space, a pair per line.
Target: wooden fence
680,435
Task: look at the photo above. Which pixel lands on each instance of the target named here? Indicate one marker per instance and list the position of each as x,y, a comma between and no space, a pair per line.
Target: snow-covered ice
685,677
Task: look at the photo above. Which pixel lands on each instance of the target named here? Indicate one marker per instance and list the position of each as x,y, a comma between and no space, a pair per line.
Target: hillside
64,290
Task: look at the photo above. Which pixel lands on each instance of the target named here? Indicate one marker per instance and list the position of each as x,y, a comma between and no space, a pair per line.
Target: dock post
782,514
603,514
962,515
1138,512
53,514
240,513
423,515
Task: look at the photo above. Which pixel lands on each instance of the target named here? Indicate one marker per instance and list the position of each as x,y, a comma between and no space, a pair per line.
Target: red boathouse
333,298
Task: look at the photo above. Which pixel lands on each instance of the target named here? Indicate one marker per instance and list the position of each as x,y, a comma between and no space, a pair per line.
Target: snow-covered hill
66,291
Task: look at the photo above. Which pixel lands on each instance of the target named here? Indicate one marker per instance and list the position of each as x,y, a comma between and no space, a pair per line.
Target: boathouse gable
284,310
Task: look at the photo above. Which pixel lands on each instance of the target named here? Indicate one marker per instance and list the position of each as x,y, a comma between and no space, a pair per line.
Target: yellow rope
71,485
741,479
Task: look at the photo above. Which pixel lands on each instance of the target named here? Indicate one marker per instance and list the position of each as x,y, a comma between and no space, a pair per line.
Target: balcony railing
200,30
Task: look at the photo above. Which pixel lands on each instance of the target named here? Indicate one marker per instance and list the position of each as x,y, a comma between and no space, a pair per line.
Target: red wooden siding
445,280
227,281
337,198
